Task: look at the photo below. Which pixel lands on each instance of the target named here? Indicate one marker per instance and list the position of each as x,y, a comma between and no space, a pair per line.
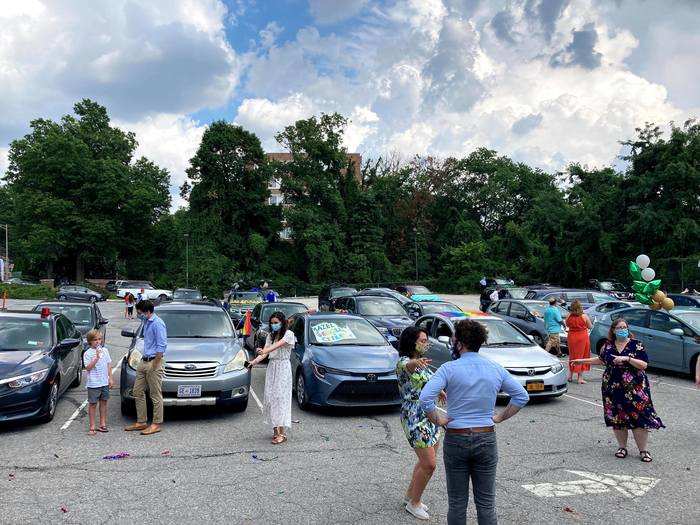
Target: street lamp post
415,244
187,260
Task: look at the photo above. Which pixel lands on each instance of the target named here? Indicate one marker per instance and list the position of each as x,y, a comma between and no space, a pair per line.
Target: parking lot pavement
556,464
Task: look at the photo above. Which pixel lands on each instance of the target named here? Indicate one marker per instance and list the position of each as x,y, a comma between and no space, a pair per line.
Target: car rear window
79,315
24,334
342,292
196,324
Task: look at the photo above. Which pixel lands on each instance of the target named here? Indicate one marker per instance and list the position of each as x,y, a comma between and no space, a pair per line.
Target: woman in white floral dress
277,403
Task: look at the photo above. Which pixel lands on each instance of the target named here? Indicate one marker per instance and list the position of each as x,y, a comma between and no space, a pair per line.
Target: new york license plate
189,391
534,386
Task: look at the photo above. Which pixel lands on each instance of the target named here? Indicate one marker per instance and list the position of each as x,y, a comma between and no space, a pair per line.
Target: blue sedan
40,357
342,360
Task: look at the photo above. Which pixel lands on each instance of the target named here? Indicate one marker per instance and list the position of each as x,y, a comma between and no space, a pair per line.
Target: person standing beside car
149,371
553,324
472,383
578,324
277,402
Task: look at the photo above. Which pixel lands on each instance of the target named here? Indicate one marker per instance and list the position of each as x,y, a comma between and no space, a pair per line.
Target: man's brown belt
474,430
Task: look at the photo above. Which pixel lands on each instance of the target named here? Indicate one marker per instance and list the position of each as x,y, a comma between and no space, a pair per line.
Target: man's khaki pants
553,342
147,374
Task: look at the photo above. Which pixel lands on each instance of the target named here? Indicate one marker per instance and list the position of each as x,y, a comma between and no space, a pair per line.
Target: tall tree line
79,204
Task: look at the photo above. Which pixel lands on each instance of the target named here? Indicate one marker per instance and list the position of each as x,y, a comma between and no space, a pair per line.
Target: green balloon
635,271
639,286
643,298
651,287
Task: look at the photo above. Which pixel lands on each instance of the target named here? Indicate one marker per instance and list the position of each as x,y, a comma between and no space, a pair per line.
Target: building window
274,184
286,233
275,200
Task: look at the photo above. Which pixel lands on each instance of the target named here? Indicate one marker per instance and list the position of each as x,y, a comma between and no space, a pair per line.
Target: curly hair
471,334
576,308
407,342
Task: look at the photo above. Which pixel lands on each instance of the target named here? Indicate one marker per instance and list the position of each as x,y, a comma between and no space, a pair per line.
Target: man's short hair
552,301
471,334
144,306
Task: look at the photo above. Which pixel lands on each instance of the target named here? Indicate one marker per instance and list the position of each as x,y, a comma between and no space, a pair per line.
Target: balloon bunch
646,288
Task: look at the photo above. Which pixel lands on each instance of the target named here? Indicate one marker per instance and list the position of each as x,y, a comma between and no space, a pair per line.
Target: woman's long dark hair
276,336
407,342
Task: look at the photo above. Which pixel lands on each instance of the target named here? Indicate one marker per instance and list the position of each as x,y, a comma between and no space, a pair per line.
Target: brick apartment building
276,197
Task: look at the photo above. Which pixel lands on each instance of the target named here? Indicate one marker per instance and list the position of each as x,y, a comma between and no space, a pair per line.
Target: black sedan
40,358
78,293
84,316
260,316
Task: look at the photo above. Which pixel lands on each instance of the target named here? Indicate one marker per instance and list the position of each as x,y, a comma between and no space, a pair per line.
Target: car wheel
240,406
538,339
693,364
51,403
128,407
61,297
78,378
302,398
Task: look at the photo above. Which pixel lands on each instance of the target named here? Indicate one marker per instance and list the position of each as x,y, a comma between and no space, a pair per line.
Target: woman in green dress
413,373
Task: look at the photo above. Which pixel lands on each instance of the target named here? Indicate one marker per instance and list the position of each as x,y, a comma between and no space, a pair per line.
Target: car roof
285,302
64,303
189,305
458,316
186,290
25,313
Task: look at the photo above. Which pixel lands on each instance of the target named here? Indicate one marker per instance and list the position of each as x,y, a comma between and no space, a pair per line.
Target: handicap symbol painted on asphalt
628,486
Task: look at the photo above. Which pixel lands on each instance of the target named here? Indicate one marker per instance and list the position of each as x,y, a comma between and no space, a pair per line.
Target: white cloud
4,161
332,11
137,59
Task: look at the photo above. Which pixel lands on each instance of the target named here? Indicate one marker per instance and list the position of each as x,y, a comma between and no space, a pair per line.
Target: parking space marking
583,400
628,486
256,399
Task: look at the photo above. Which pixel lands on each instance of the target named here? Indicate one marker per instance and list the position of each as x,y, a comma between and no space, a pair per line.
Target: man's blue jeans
472,456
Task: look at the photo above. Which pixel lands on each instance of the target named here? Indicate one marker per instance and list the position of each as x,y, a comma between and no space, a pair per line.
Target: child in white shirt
98,365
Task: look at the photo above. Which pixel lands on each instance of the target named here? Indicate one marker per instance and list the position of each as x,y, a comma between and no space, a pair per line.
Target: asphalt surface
341,467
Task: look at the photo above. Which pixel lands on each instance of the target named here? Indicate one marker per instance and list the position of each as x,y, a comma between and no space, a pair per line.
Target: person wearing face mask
625,387
277,403
423,436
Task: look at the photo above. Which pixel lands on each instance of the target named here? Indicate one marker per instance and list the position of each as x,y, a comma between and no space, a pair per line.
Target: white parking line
256,399
583,400
78,410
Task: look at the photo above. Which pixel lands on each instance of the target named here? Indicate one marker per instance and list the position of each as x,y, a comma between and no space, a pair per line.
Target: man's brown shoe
136,426
153,429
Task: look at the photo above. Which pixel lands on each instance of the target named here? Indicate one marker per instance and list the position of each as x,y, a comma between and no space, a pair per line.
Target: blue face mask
142,317
275,326
622,333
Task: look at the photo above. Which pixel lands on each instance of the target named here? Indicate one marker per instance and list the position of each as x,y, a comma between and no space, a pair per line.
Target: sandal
621,453
103,429
91,432
644,456
279,439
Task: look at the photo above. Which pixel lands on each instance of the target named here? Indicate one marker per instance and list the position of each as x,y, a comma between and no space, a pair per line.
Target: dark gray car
84,316
528,315
78,293
260,316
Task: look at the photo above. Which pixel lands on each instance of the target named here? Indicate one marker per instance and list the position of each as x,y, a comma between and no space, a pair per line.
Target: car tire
61,297
300,391
240,406
76,382
693,364
538,339
128,408
51,403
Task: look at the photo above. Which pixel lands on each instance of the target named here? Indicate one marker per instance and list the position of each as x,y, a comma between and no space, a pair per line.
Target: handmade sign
332,332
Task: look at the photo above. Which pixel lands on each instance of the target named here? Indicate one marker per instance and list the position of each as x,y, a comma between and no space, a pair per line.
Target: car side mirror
69,343
128,333
103,322
676,331
444,339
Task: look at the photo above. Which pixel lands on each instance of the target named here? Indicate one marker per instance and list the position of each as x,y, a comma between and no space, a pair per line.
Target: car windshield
691,318
436,308
246,296
501,333
197,324
517,293
187,294
24,334
287,309
78,314
419,290
335,332
609,286
538,309
379,306
342,292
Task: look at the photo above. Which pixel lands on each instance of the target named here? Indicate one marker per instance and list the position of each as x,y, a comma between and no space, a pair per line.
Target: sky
547,82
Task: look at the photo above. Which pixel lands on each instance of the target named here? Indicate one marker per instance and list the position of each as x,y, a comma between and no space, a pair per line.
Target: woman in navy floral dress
413,373
626,396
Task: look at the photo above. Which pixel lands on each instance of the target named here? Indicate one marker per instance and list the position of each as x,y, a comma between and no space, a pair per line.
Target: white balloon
648,274
643,261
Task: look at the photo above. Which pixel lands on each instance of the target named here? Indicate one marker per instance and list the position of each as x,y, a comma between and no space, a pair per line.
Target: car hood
389,321
356,358
519,356
195,349
16,362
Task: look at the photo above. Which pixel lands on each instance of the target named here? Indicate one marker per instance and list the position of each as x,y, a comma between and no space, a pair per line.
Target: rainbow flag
247,326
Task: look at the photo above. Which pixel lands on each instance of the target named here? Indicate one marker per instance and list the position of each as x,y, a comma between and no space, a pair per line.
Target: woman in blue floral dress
626,396
413,373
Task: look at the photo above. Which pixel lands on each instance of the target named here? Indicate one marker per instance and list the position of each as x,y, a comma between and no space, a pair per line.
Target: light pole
187,260
415,244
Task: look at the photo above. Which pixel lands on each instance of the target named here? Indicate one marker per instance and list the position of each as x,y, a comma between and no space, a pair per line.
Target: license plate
189,391
534,386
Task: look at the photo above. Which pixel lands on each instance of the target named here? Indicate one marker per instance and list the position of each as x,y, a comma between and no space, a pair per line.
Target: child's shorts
95,394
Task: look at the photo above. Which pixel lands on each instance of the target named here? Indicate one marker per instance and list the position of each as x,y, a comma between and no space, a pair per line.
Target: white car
146,289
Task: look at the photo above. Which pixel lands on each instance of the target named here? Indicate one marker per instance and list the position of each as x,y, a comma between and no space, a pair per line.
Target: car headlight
26,379
134,358
557,368
237,363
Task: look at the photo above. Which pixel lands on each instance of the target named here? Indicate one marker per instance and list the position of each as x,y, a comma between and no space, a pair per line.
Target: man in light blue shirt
553,323
472,383
149,371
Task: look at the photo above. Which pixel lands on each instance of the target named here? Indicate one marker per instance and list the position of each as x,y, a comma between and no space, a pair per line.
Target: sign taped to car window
331,332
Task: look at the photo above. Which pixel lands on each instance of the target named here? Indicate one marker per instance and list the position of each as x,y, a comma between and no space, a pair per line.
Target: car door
67,359
518,315
299,347
666,348
256,325
101,323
